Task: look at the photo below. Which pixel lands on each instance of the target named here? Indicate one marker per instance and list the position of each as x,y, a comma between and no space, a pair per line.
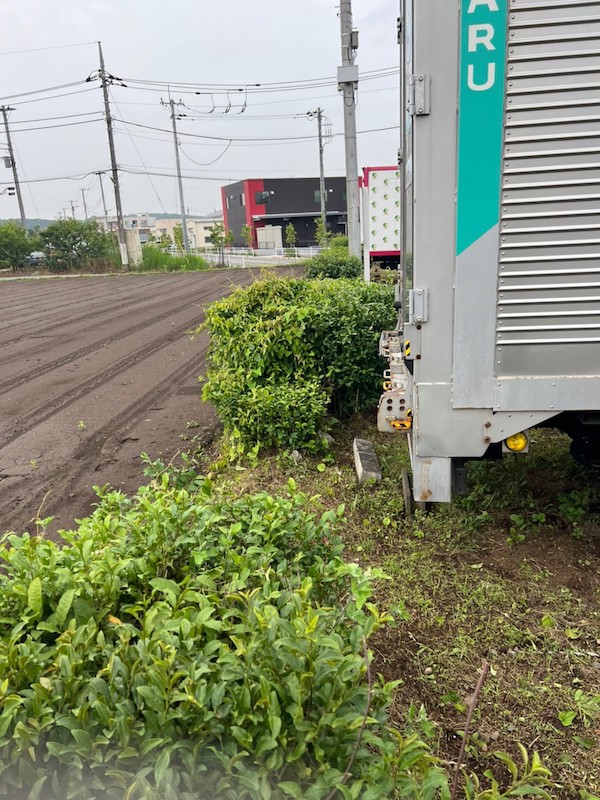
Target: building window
261,198
242,200
317,197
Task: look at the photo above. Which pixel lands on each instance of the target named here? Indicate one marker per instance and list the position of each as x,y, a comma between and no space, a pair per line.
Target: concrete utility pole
84,204
72,208
347,84
172,105
100,174
13,163
322,192
113,162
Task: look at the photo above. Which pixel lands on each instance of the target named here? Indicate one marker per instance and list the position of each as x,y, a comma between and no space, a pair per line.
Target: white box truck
500,178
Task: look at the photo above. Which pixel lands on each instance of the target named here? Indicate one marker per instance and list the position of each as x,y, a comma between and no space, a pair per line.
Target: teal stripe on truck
481,101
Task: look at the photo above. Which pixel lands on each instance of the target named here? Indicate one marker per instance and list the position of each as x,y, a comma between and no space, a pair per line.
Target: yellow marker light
517,443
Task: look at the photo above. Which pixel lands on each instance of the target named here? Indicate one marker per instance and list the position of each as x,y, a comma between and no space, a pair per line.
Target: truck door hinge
419,101
418,306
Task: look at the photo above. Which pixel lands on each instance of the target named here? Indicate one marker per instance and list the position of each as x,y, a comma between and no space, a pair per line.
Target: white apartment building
198,229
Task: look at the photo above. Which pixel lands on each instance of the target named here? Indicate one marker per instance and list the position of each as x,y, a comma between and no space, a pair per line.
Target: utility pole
172,105
100,174
113,161
347,84
13,163
84,204
322,192
72,208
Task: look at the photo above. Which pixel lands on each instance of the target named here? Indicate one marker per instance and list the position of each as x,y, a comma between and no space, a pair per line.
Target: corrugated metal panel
548,312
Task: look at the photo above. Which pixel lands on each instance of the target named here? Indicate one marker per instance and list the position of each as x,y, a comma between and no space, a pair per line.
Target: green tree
71,243
178,238
247,235
15,244
220,237
290,235
322,235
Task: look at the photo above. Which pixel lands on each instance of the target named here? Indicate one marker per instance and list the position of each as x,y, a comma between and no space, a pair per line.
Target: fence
249,257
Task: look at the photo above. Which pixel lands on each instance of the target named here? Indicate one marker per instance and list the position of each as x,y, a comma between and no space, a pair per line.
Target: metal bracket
418,306
419,95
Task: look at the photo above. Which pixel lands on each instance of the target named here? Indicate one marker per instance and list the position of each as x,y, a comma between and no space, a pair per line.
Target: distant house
268,205
198,228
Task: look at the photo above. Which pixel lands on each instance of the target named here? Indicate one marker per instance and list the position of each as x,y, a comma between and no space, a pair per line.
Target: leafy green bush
283,351
334,262
73,243
15,244
181,645
338,241
154,258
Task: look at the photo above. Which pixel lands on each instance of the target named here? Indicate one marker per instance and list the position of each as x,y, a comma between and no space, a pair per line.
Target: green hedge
334,262
284,352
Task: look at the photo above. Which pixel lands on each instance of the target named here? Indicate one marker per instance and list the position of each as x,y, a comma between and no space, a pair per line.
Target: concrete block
366,461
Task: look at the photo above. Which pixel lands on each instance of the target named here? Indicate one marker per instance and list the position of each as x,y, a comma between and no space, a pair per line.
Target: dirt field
94,371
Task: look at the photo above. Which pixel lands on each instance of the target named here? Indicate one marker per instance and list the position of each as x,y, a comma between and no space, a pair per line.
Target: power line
56,96
65,116
208,163
216,138
140,158
62,125
54,178
250,140
174,175
42,91
258,87
40,49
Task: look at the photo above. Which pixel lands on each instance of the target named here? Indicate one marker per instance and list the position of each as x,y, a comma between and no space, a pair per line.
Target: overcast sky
231,42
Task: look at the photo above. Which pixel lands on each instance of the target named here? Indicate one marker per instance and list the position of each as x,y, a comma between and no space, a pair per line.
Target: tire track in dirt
102,449
13,382
95,302
138,394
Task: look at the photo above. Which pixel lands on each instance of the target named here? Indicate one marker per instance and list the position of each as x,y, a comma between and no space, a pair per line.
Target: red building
269,205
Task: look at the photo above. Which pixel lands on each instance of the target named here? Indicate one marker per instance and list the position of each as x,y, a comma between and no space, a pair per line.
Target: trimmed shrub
283,352
334,262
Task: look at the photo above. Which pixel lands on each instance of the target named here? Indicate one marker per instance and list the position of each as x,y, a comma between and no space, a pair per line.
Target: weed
153,258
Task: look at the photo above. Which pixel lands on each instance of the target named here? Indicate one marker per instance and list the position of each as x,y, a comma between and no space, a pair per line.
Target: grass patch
509,575
155,259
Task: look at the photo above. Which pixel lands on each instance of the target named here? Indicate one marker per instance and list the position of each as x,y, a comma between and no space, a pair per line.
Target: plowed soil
94,371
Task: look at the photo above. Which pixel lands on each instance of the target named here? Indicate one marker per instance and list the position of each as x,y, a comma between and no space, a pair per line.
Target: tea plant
180,645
